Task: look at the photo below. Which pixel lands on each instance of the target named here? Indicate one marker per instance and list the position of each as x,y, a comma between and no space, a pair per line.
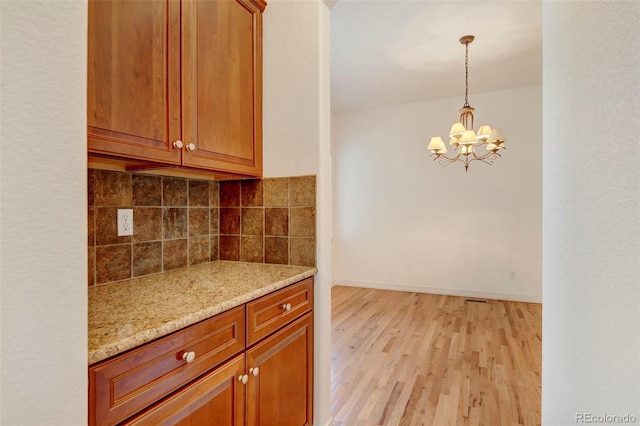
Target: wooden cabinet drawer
269,313
217,398
124,385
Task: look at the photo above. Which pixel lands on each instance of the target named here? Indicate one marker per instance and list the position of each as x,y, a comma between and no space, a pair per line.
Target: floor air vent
476,300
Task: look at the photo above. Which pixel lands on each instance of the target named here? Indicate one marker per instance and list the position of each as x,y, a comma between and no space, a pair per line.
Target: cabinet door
133,79
222,85
218,398
282,392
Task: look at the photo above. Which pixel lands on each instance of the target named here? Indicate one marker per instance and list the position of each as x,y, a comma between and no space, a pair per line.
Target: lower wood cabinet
266,383
282,392
121,386
217,398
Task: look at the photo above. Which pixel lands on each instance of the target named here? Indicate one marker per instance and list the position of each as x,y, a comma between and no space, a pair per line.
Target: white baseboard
330,422
445,291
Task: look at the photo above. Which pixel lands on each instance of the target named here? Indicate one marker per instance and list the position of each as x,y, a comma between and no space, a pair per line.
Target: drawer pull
178,144
189,356
286,307
243,379
254,371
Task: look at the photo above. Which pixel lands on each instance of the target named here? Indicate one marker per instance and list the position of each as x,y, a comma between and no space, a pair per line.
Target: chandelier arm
443,160
487,159
444,157
492,155
444,163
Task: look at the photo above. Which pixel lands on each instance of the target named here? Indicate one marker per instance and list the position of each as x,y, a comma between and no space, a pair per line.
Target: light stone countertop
129,313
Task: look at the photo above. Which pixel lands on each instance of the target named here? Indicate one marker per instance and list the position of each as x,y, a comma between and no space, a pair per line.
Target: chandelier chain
466,75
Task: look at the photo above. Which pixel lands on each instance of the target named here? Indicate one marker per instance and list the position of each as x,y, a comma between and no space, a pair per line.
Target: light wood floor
401,358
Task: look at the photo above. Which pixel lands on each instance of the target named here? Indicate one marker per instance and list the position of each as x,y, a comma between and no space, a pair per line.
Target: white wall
403,222
591,282
297,142
44,214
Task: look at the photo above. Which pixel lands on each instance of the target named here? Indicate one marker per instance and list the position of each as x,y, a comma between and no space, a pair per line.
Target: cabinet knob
178,144
254,371
191,147
243,379
189,356
286,307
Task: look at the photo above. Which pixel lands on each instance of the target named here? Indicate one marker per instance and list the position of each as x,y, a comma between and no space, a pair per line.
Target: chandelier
468,145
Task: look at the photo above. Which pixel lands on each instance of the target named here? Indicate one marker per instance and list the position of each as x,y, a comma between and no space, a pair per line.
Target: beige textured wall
297,141
591,315
43,217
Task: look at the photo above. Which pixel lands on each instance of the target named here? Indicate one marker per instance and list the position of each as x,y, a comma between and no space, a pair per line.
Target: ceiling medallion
463,138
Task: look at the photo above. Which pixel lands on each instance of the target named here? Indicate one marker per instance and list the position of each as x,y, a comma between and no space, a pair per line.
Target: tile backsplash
182,222
269,220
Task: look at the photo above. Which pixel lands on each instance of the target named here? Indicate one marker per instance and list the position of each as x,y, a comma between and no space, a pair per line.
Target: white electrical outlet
513,274
125,222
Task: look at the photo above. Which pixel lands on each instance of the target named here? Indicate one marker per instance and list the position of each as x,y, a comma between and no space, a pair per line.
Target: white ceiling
391,52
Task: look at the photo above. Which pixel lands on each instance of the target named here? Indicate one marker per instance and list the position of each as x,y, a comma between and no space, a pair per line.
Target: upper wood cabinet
163,71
